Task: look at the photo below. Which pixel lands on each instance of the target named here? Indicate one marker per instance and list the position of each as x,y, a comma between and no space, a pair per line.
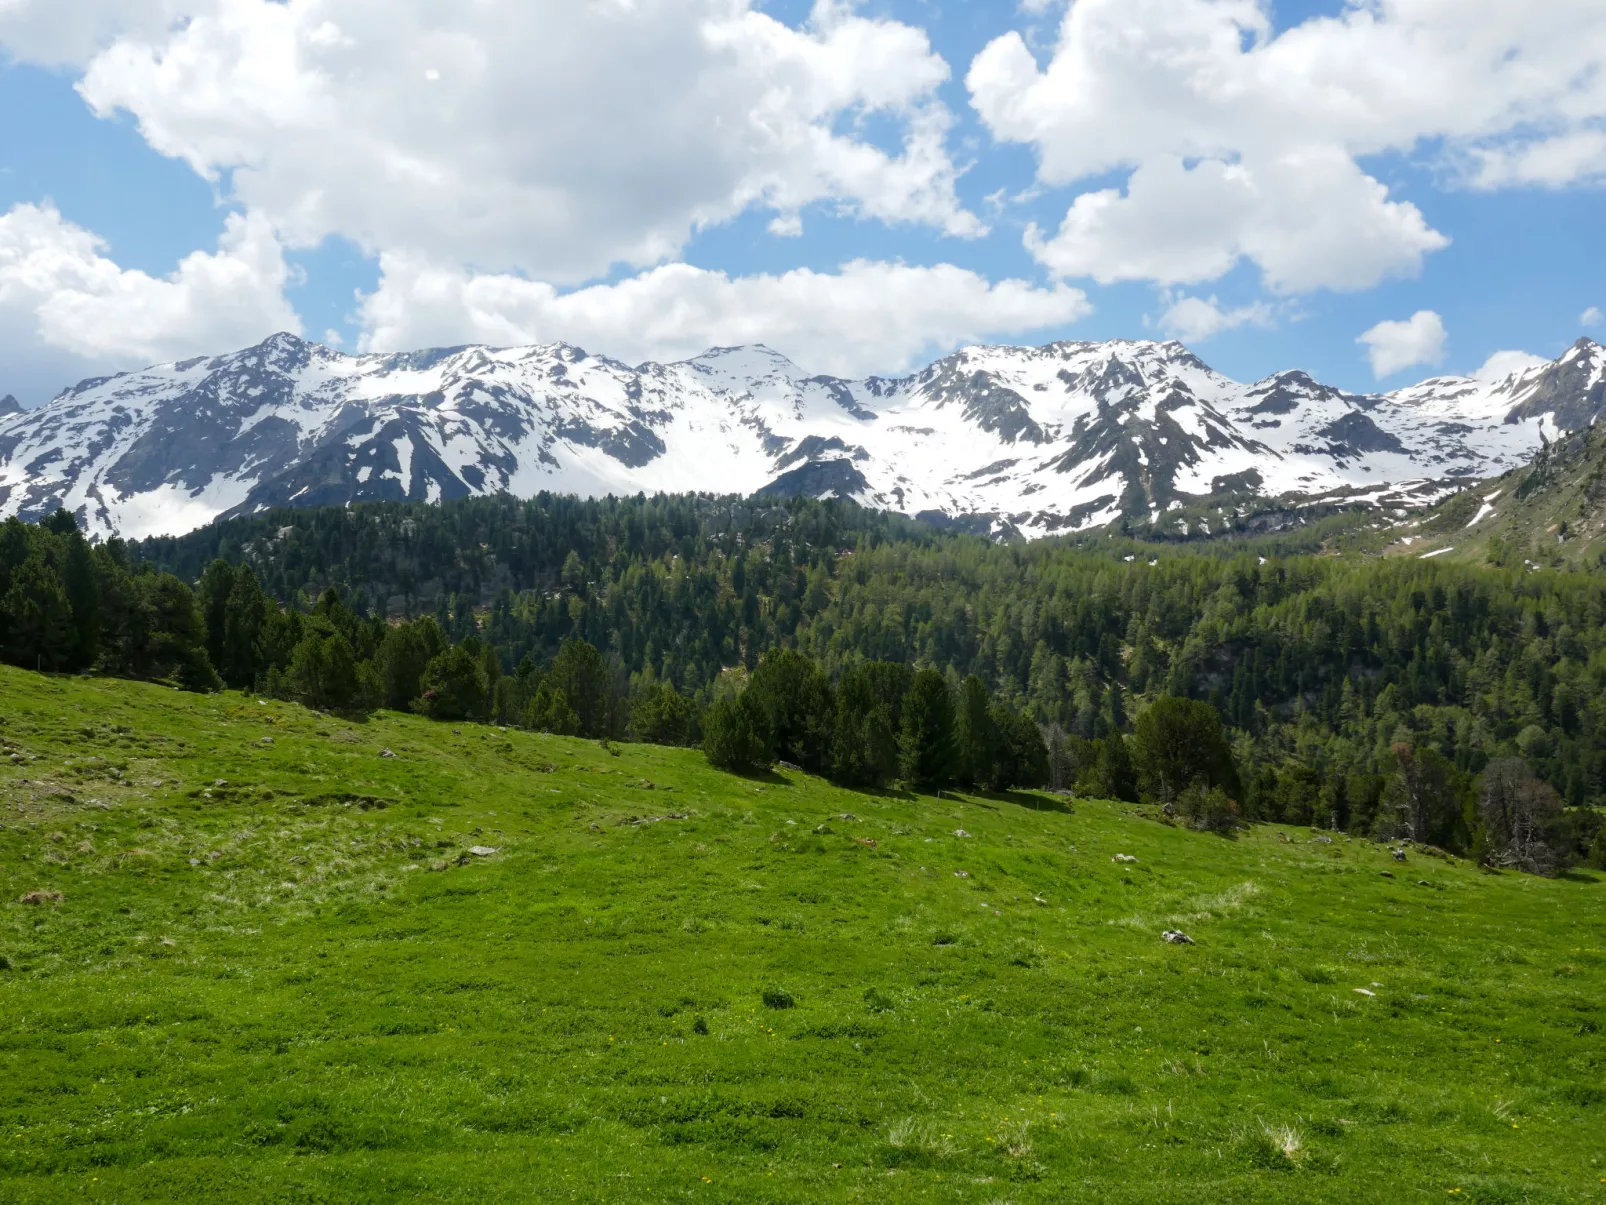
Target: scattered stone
786,765
821,830
1322,840
1362,991
867,842
959,832
1388,874
265,741
220,782
638,821
1283,837
386,753
1037,899
961,874
847,816
168,941
195,861
482,851
1423,883
1123,858
1399,855
1177,937
42,897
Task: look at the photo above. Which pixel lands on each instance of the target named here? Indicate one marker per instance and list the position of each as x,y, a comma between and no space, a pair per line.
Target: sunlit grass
503,967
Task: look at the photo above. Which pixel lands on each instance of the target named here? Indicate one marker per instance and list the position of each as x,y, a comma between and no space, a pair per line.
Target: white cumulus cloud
1236,142
554,138
867,318
1393,346
65,304
1503,364
1195,319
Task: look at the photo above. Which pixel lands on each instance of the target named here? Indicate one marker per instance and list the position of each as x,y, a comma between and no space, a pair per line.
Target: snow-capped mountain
1057,438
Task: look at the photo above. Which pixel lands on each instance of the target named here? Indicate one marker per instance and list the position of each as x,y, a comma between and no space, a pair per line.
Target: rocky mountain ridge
1065,437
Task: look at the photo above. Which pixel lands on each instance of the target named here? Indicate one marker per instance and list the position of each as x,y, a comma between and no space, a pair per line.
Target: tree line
1321,670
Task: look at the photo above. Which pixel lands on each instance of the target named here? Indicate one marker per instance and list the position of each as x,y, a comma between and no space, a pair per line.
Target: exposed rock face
1003,439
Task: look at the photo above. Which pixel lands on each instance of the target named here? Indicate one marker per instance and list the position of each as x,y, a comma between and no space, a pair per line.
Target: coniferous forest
1454,705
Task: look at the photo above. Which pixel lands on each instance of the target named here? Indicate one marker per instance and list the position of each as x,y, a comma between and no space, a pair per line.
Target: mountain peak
1065,437
9,405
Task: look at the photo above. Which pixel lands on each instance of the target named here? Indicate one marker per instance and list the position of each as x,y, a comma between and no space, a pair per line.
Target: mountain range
1035,441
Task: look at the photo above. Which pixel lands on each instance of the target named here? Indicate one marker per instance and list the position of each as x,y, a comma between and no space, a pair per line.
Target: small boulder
1123,858
959,832
386,753
1399,855
1177,937
482,851
42,897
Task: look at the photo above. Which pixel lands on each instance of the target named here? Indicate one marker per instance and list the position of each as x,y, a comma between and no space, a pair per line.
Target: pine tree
39,631
245,613
581,673
81,582
926,743
865,747
976,737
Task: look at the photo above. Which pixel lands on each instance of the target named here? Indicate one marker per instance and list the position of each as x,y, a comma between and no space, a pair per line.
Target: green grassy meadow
277,972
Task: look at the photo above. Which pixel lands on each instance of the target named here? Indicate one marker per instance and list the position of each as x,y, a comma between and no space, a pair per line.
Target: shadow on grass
770,778
1577,875
1034,800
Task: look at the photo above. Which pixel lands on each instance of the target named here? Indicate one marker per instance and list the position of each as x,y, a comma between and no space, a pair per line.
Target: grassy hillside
277,970
1551,512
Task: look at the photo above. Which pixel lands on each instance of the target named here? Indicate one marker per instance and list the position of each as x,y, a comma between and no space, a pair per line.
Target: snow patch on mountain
1065,437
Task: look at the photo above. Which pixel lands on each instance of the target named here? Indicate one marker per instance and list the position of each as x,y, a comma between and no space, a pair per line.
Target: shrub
732,737
1207,809
776,998
453,687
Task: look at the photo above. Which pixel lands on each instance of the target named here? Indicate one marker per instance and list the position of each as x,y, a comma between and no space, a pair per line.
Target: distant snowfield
1066,437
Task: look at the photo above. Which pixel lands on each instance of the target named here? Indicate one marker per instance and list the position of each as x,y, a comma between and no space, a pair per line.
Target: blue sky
650,206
